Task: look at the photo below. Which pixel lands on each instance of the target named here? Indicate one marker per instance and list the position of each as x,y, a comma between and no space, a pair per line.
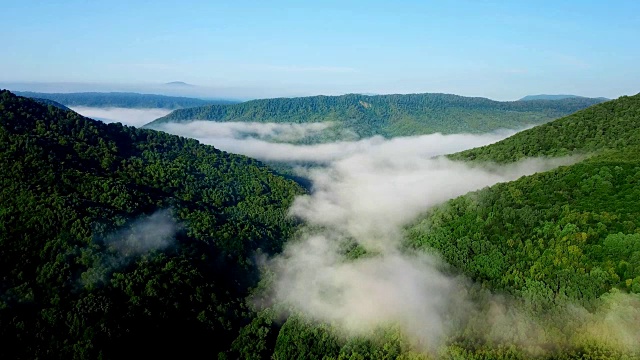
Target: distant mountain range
123,99
178,83
555,97
388,115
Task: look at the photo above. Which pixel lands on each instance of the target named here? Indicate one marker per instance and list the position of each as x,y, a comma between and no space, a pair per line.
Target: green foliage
388,115
302,339
570,233
548,242
610,125
122,99
70,186
564,234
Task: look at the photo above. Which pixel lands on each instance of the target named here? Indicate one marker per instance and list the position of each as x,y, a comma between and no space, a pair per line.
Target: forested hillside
116,241
114,238
390,115
560,249
567,236
610,125
123,100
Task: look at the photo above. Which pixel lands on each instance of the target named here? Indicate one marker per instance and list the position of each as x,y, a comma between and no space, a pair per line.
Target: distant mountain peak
178,83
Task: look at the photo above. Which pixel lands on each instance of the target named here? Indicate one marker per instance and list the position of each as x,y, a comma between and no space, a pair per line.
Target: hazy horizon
210,93
501,51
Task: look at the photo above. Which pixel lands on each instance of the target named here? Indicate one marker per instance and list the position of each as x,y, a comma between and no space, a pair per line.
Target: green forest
389,115
123,100
119,242
71,185
546,244
566,236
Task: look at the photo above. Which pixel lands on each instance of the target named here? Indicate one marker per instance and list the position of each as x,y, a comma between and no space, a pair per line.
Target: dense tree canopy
549,242
114,238
566,236
610,125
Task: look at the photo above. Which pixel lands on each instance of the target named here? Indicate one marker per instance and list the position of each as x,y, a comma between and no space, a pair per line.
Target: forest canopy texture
113,237
388,115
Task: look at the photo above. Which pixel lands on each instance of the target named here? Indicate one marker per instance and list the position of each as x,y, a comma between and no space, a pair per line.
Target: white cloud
126,116
225,137
366,192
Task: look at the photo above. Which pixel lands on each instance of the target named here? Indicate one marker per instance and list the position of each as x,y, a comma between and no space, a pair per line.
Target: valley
390,249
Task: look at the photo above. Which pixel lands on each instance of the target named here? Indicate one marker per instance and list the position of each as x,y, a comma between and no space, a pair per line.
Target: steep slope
560,251
610,125
389,115
560,238
123,99
117,241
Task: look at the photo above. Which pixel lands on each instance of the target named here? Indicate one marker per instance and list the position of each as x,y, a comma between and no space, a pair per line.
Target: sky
249,49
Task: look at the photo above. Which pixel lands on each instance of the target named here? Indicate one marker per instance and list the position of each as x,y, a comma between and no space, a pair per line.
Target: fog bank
126,116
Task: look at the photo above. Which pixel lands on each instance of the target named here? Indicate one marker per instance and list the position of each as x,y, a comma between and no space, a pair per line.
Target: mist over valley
332,180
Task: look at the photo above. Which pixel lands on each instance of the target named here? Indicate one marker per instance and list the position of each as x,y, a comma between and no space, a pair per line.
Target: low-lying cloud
225,136
126,116
368,198
364,195
213,132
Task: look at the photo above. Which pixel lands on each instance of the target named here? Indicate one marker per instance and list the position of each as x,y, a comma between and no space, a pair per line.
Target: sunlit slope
571,233
78,279
611,125
390,115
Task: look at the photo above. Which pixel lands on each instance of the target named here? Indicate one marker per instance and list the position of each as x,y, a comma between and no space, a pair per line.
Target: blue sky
497,49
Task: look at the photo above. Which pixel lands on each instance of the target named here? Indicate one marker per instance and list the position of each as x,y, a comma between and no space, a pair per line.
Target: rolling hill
388,115
117,241
610,125
560,250
559,238
123,100
114,238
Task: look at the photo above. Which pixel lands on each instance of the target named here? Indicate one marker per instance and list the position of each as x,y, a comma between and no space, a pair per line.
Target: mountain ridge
388,115
123,99
113,238
611,124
